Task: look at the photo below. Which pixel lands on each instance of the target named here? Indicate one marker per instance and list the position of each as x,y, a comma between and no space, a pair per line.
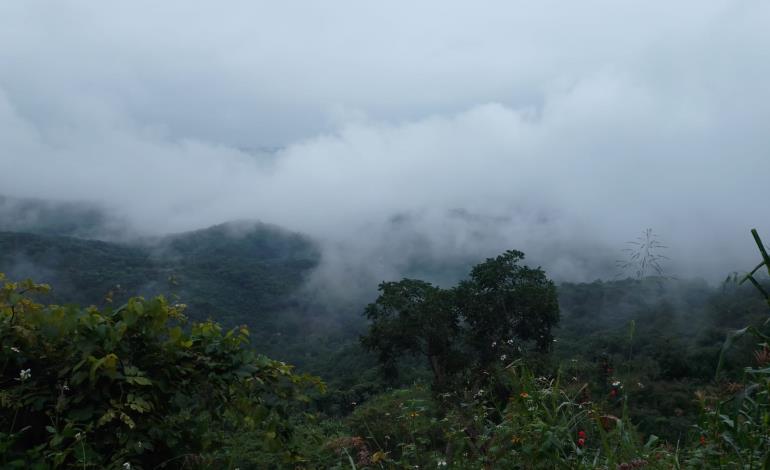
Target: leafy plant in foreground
134,387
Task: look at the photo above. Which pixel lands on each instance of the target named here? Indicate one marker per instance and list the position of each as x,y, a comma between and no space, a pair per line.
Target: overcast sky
559,128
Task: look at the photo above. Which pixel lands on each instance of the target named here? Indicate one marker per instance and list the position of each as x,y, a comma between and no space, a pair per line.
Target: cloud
402,131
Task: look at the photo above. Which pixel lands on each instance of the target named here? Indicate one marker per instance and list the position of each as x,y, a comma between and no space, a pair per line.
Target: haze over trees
504,367
273,235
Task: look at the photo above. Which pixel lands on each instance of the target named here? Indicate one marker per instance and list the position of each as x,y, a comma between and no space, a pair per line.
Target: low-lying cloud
404,132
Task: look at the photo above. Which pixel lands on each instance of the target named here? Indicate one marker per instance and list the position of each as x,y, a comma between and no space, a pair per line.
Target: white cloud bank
559,130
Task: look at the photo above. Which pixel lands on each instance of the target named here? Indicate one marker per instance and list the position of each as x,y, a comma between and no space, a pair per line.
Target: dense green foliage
487,318
134,387
627,379
578,412
238,273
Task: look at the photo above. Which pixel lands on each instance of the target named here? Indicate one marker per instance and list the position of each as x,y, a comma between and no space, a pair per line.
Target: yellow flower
515,440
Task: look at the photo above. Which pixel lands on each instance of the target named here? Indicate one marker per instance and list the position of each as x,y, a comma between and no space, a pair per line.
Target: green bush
135,387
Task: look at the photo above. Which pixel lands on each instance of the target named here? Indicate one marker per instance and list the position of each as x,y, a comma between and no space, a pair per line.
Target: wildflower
441,463
515,440
503,357
613,393
524,395
126,466
25,374
414,414
15,349
616,383
703,440
582,434
581,442
78,436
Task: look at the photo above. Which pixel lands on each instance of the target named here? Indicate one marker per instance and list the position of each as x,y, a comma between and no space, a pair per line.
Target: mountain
238,273
76,219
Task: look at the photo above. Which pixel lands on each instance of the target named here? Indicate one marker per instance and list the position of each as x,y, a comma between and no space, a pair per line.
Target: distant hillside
242,272
76,219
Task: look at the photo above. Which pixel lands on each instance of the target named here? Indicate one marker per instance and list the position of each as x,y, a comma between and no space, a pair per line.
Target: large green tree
501,310
507,307
413,316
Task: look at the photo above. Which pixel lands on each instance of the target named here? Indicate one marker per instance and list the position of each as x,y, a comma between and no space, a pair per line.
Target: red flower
581,442
582,434
703,440
613,392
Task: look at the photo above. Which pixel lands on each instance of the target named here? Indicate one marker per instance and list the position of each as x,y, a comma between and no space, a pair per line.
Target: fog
395,132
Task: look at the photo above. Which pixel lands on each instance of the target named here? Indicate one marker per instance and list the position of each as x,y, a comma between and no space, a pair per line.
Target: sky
397,130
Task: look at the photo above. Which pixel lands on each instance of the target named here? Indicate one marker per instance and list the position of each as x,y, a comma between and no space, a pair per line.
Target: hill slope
241,272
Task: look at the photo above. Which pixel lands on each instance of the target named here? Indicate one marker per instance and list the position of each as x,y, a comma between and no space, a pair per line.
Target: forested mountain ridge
237,272
632,352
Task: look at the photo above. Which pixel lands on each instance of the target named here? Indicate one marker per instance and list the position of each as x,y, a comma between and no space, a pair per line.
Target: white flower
25,374
441,463
15,349
616,383
503,357
78,436
126,466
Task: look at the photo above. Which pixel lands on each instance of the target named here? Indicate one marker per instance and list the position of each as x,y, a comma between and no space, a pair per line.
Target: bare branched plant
643,257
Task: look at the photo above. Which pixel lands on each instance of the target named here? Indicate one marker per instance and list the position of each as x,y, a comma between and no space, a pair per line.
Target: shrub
134,387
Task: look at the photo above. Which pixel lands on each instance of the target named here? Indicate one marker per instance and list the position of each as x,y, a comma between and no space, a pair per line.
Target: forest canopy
499,311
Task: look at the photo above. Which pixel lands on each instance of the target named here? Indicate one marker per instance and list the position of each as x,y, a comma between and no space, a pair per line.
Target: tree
500,310
506,306
413,316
